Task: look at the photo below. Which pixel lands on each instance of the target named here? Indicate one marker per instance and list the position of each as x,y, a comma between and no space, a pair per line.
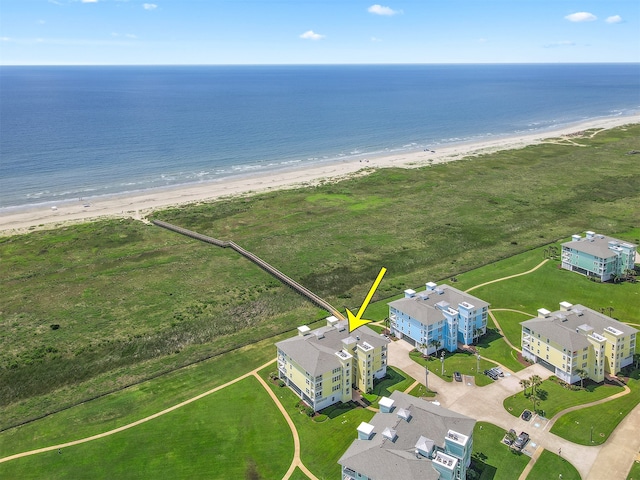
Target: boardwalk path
315,299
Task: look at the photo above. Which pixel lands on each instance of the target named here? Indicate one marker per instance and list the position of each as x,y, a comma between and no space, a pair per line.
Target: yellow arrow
356,321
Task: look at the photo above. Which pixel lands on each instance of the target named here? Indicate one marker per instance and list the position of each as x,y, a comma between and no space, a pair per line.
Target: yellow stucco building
323,366
576,338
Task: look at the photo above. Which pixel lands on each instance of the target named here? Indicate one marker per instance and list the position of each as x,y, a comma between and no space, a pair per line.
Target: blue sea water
70,132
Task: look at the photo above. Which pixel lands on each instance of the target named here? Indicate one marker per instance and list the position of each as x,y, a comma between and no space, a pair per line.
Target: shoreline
138,205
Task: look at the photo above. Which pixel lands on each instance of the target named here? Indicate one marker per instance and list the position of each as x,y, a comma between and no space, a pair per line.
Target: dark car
457,376
490,373
510,437
521,441
526,415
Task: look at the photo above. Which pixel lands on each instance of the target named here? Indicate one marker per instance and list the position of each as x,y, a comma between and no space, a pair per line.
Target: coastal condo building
598,256
576,338
411,439
438,317
323,366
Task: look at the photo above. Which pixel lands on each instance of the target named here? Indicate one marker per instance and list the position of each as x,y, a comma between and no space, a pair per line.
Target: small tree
524,383
582,374
535,383
436,343
534,399
476,333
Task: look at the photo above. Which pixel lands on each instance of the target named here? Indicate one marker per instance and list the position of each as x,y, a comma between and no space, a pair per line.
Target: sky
161,32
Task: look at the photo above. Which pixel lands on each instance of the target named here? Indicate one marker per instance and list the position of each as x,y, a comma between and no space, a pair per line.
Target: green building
598,256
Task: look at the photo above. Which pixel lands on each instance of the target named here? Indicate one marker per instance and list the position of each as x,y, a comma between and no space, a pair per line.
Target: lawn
496,460
126,406
552,286
594,425
395,379
551,466
322,444
421,391
555,398
464,362
493,347
634,473
235,433
137,299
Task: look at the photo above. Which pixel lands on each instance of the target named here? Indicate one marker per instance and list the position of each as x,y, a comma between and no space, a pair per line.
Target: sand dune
139,205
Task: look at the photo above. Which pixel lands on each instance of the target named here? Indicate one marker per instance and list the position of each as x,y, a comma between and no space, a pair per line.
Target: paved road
611,460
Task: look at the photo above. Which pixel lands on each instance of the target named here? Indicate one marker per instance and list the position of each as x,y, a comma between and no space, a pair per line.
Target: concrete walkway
508,277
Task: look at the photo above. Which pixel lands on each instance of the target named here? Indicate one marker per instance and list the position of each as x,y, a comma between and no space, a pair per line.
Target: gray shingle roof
317,355
380,458
598,246
560,326
422,307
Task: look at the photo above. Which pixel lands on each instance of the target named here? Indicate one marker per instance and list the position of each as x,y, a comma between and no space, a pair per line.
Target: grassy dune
132,301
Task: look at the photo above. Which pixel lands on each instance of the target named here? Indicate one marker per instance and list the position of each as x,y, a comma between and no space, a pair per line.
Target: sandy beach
140,204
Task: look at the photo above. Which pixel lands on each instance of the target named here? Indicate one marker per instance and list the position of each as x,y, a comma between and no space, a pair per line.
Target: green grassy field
235,433
322,444
555,398
133,301
594,425
551,466
134,403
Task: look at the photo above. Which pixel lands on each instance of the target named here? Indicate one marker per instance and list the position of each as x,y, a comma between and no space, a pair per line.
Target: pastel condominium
598,256
410,438
439,317
323,366
576,340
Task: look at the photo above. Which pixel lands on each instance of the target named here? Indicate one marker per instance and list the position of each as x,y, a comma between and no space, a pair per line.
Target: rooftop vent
543,313
404,414
365,431
389,433
303,330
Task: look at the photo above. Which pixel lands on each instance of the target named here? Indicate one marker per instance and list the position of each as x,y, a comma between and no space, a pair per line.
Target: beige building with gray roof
323,366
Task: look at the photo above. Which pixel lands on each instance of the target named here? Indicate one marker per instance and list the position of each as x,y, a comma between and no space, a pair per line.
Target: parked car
510,437
498,371
457,376
491,374
521,441
526,415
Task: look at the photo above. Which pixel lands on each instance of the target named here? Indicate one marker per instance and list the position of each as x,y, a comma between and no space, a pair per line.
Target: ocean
78,132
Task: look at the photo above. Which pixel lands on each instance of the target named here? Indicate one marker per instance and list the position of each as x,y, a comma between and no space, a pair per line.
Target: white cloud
614,19
581,17
5,39
380,10
89,1
375,39
149,6
565,43
311,35
482,40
